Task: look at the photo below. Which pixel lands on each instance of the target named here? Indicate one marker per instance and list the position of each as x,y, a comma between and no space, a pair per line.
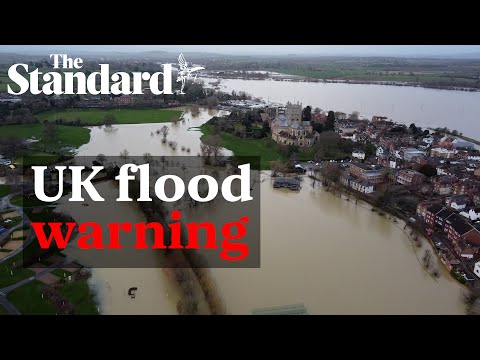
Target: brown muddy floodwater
318,249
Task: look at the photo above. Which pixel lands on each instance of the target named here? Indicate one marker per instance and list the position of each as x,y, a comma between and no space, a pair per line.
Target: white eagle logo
185,73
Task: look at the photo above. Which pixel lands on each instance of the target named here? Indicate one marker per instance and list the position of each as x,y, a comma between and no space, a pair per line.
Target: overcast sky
356,50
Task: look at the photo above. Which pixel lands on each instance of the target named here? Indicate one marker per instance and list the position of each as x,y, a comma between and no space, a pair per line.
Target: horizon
414,51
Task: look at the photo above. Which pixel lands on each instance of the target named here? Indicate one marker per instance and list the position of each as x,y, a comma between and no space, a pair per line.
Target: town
428,177
423,181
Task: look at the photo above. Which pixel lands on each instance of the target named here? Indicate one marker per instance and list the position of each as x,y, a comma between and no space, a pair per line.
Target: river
332,255
458,110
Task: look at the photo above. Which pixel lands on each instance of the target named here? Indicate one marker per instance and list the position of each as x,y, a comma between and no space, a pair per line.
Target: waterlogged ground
318,249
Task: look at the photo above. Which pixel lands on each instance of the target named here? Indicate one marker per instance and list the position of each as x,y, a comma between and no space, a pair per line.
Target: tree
147,157
101,158
10,146
164,131
195,109
50,132
212,101
354,115
108,120
428,170
331,173
278,167
369,149
307,114
124,155
266,128
215,144
330,123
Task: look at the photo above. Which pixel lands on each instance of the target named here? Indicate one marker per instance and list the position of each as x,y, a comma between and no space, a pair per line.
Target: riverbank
91,117
417,228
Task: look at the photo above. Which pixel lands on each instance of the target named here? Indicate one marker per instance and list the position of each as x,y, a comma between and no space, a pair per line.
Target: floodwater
332,255
458,110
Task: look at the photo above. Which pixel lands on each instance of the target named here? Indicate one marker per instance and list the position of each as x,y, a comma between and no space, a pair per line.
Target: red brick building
410,177
458,230
371,173
431,213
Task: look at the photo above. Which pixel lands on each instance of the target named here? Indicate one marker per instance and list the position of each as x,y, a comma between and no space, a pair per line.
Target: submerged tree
124,155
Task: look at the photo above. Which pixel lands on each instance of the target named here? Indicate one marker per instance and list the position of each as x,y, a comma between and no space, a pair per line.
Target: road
6,204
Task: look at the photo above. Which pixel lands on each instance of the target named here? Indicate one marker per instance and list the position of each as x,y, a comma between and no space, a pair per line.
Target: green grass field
28,299
67,135
23,200
6,279
60,272
78,293
4,190
266,148
122,116
3,311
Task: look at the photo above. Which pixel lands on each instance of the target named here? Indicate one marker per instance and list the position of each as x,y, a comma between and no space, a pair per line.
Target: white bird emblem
185,72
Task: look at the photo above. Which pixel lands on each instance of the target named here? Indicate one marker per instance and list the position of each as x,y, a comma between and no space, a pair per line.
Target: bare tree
184,169
278,167
215,144
147,157
195,109
108,120
354,115
164,131
101,158
124,155
205,150
331,173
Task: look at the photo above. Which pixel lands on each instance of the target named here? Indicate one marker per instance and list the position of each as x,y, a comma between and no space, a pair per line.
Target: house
443,153
466,251
442,185
431,214
358,154
380,151
442,216
410,177
346,179
476,268
457,202
379,118
458,230
473,214
124,100
362,186
371,173
422,208
428,140
408,153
